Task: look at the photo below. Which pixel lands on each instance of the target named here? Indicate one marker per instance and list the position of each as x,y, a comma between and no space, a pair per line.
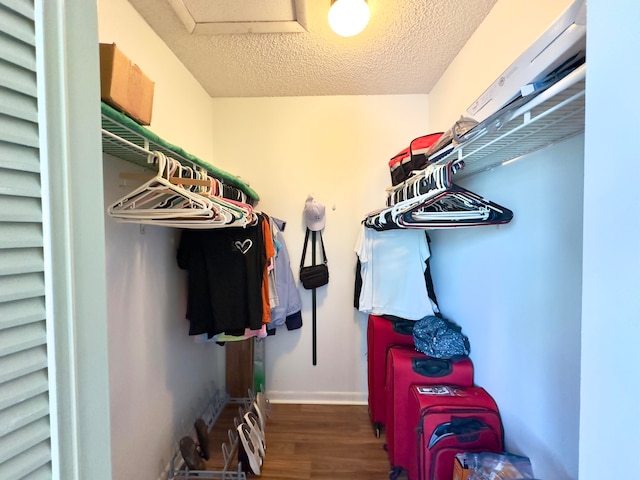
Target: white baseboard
329,398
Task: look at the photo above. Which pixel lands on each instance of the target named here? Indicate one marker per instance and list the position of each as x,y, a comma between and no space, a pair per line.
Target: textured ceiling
404,50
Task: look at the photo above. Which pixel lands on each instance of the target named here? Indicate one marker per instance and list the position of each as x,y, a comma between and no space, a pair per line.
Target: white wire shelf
136,144
554,115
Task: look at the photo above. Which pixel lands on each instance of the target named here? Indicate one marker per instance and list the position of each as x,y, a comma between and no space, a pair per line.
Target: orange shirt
270,251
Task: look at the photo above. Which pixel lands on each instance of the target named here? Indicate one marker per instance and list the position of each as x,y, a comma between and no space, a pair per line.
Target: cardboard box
124,86
460,470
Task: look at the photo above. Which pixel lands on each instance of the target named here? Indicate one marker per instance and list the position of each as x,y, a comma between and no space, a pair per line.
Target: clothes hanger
436,202
151,198
456,206
433,177
237,213
227,215
176,197
178,173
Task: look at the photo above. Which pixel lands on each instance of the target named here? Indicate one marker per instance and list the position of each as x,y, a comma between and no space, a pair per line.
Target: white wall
516,289
158,375
611,304
337,149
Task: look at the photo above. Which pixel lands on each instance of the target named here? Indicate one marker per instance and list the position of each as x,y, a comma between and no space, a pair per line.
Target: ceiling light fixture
348,17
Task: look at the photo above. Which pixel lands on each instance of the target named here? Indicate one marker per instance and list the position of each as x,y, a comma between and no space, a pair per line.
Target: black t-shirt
225,270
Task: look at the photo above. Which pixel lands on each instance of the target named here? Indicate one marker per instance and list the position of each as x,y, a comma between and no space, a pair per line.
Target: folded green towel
130,124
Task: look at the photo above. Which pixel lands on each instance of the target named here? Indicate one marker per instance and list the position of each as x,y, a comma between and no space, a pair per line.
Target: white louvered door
25,447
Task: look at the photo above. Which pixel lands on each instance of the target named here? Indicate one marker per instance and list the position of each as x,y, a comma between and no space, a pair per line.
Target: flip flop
202,432
189,452
263,404
250,449
260,414
257,435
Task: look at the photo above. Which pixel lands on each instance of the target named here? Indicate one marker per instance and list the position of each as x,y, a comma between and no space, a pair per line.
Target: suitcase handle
432,367
460,425
466,430
403,327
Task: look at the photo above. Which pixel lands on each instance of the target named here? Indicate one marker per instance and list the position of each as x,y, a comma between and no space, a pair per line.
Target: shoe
257,435
260,414
202,432
189,452
255,462
263,404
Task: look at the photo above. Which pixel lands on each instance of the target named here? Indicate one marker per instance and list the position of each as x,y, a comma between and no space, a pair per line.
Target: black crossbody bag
314,276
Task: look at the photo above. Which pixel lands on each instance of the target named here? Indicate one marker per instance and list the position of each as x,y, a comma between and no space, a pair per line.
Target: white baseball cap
314,214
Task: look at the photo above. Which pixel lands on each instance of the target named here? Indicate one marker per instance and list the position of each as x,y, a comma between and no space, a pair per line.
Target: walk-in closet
101,377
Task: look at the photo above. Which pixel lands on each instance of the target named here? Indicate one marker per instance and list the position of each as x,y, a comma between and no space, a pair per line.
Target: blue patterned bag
440,338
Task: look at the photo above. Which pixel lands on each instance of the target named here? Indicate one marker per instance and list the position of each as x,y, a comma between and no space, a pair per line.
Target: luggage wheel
377,429
395,472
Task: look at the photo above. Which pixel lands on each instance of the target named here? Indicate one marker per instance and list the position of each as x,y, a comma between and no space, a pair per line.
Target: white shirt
392,268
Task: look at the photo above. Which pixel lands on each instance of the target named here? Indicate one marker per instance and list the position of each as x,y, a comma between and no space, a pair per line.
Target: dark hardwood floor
315,442
322,442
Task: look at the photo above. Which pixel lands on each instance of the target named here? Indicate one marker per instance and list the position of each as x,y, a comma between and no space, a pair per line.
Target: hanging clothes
270,253
222,338
225,270
288,310
392,271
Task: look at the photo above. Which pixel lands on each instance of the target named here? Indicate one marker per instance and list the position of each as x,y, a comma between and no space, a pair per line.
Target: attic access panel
224,17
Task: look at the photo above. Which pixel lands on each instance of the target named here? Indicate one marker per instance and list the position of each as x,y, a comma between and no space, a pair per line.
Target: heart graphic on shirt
244,246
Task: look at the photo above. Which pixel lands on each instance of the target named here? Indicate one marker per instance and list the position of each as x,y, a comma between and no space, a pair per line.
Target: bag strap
313,292
324,254
304,250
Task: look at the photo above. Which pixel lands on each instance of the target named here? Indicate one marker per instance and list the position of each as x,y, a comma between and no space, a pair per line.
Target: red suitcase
404,369
382,334
446,420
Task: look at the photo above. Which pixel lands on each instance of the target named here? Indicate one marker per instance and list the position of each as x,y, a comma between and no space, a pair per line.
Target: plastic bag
455,135
498,466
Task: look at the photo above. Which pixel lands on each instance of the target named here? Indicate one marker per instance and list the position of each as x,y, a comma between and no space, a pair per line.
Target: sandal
202,432
249,448
189,452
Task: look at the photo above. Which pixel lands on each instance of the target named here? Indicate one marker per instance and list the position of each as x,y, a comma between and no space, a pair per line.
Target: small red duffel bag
414,157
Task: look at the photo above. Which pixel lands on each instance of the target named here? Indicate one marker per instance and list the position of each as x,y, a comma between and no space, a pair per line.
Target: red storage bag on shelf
414,157
419,150
400,167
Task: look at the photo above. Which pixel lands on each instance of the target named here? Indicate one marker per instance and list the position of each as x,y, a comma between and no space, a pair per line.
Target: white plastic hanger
148,200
